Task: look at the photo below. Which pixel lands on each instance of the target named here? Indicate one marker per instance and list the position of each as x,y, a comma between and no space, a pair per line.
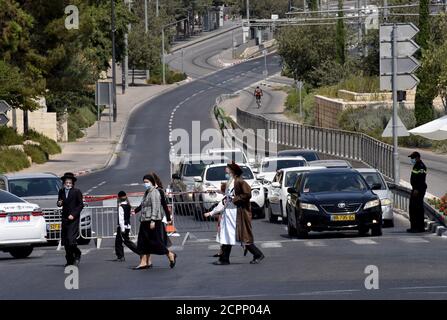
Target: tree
341,35
423,108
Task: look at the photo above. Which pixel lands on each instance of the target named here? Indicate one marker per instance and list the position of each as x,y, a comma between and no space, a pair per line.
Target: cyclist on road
258,94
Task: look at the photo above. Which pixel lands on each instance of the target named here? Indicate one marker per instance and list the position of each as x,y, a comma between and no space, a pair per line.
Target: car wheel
301,232
291,230
21,252
363,231
388,223
376,231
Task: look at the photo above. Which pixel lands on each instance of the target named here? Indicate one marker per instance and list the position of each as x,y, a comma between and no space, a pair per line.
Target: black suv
333,199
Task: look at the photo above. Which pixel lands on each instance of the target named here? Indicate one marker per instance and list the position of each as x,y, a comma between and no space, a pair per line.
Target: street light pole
146,28
157,10
113,62
163,54
394,89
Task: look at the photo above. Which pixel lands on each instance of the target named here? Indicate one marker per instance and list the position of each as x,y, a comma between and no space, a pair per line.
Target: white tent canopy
434,130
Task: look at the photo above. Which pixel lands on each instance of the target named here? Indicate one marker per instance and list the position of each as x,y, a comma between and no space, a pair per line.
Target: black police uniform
419,186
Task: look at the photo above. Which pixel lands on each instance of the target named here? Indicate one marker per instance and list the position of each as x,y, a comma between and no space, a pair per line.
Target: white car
270,165
277,192
208,188
236,155
374,177
22,225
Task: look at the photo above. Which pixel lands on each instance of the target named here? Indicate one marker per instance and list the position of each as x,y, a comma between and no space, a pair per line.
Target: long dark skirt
151,241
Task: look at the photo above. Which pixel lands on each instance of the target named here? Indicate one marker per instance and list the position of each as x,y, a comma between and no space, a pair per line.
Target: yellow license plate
343,217
55,227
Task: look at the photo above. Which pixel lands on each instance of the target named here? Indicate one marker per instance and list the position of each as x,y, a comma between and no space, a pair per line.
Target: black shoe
257,260
220,263
173,262
142,267
122,259
217,255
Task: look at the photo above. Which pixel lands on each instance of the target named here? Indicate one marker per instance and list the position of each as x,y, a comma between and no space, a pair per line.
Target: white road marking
414,240
266,245
315,244
363,241
86,251
214,247
38,253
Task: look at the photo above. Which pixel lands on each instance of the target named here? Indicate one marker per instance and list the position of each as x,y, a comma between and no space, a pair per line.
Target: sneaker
257,260
220,263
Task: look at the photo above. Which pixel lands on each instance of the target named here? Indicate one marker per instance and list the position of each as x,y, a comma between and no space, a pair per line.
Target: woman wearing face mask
164,204
150,240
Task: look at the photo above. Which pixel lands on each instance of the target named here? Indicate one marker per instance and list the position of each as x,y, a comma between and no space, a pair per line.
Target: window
373,178
291,179
35,187
193,169
218,174
334,182
274,165
6,197
2,184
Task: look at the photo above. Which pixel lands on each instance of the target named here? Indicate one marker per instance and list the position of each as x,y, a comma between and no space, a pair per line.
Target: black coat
71,205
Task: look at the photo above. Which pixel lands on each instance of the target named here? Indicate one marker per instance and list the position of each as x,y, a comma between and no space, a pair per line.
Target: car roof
296,150
223,150
329,162
302,169
225,164
198,157
372,170
283,158
334,170
17,176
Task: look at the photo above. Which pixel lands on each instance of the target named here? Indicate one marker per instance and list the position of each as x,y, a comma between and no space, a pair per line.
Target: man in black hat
419,186
71,201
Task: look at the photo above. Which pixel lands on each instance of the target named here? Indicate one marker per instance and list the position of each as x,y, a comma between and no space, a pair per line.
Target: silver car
42,189
374,177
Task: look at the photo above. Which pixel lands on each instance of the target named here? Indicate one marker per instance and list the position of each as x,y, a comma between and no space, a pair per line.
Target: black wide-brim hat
69,175
235,168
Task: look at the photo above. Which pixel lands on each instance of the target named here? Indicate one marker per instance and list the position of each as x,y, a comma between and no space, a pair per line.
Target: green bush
9,137
36,153
171,76
440,146
46,144
74,132
359,84
12,160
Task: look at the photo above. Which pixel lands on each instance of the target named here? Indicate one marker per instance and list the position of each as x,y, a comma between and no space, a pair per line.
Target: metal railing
401,202
340,143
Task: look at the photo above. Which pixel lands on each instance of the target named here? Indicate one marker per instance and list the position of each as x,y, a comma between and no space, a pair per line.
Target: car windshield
309,156
35,187
235,156
291,178
6,197
218,174
193,169
334,182
373,178
274,165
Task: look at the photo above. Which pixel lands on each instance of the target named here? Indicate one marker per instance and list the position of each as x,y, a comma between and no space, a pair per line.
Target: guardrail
345,144
401,201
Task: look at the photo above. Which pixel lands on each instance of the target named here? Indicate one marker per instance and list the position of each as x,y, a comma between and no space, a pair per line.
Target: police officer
418,175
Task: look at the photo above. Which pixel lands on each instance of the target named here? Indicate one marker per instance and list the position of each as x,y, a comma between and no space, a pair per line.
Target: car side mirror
292,190
255,170
176,176
198,179
376,186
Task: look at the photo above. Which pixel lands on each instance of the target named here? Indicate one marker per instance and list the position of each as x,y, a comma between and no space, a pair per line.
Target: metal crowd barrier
401,202
345,144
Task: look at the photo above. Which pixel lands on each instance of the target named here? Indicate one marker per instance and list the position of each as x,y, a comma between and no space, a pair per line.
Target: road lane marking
363,241
414,240
315,244
214,247
274,244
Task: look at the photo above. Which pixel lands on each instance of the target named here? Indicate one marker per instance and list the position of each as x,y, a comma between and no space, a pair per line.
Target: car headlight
372,204
386,202
308,206
255,193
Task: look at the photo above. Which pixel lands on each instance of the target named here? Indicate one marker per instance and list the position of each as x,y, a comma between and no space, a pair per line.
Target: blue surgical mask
148,185
413,161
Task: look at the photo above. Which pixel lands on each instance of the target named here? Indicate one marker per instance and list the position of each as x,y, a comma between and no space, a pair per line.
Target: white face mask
413,161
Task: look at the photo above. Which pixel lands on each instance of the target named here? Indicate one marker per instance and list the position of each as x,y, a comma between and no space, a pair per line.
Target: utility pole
163,53
157,10
385,10
113,62
233,45
125,76
146,29
394,89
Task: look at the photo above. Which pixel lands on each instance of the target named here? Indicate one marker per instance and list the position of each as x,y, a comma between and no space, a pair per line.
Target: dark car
333,199
309,155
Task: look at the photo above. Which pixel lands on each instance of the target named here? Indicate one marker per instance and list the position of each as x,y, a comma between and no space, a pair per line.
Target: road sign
401,129
404,49
299,84
404,82
4,106
3,119
103,93
404,65
405,31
